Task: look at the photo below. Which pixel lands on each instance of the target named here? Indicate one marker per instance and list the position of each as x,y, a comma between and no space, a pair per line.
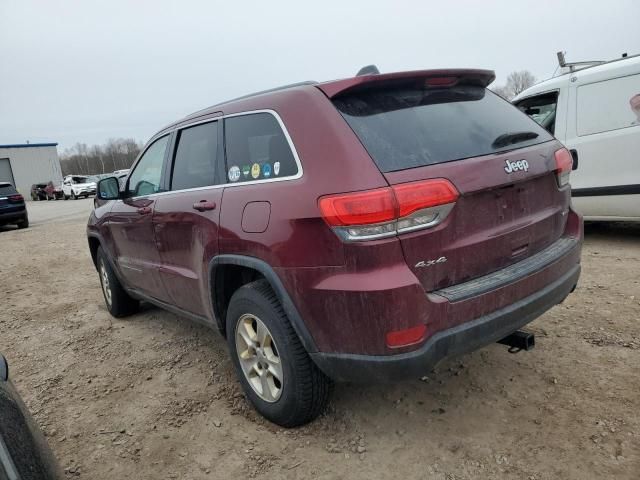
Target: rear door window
194,164
257,149
7,190
412,127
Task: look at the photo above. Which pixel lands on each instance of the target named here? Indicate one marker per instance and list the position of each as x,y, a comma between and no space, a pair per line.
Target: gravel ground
154,396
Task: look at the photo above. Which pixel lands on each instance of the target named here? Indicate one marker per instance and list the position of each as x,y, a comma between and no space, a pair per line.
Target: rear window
411,127
7,190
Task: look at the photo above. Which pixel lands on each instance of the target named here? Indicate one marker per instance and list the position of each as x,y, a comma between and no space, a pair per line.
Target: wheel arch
227,268
96,241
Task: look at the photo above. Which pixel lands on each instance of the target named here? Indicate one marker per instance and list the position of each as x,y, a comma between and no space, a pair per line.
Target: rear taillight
360,208
385,212
564,163
16,198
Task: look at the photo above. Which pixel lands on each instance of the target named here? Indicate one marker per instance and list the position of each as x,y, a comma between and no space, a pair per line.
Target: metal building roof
29,145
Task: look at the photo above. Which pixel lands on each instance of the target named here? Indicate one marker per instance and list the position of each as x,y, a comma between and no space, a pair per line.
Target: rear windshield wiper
513,138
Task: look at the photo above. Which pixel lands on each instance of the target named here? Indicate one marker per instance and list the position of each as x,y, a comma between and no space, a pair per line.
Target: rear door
130,223
501,162
186,218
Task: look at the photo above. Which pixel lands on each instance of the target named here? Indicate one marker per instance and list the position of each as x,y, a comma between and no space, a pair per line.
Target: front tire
73,195
276,373
118,301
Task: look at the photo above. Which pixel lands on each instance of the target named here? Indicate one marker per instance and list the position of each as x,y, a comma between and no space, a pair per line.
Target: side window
542,109
195,159
608,105
145,179
257,149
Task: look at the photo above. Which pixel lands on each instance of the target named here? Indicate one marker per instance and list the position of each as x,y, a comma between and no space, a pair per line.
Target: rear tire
118,301
303,391
24,223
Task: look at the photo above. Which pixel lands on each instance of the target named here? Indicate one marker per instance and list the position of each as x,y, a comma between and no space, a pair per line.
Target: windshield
79,180
541,109
411,127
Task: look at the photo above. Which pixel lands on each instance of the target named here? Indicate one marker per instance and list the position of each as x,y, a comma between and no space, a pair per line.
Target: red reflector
441,81
429,193
404,338
564,160
359,208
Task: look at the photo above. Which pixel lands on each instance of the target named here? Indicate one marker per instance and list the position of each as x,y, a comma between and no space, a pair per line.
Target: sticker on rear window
234,174
255,170
276,168
266,170
246,169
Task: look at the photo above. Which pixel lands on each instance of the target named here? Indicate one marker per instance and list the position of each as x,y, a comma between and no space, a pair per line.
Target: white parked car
76,186
595,111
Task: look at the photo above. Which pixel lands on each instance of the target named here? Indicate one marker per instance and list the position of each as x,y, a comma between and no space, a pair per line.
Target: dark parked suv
12,206
355,230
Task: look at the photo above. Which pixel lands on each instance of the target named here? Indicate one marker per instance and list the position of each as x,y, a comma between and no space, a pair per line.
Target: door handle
144,210
203,205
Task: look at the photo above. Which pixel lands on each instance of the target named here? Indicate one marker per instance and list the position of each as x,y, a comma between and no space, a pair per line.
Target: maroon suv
354,230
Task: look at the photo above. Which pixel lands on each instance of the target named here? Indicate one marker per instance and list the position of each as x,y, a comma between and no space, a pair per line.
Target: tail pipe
519,340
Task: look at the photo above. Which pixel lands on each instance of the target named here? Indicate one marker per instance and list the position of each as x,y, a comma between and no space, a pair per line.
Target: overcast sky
84,71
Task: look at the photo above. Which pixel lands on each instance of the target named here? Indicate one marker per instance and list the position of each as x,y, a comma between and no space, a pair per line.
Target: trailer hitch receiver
519,340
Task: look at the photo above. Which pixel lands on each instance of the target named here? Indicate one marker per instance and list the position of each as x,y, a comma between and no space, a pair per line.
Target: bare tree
517,82
115,154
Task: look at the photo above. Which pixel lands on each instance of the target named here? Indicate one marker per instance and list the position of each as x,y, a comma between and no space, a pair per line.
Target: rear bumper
457,340
15,215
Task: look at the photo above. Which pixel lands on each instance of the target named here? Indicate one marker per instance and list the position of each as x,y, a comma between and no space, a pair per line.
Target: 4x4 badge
428,263
514,166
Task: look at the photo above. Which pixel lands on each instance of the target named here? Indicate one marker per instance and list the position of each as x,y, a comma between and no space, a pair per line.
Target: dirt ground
154,396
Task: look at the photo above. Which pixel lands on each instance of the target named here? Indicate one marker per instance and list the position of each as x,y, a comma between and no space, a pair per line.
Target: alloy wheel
259,357
104,280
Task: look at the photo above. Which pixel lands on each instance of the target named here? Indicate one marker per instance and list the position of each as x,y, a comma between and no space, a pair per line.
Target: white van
595,112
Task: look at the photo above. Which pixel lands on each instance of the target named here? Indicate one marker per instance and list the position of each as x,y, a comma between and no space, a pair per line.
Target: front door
186,219
131,224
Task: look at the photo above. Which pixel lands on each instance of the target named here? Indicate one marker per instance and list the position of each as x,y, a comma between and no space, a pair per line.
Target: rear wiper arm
513,138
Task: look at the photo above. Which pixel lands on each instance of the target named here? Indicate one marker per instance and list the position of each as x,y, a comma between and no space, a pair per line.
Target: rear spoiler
433,78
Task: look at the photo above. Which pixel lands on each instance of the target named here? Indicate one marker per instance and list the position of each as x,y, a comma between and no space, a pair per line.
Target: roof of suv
333,88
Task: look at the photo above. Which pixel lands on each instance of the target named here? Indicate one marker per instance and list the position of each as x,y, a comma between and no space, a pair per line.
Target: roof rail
569,67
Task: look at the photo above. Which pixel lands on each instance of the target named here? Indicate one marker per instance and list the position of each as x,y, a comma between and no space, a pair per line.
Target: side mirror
108,189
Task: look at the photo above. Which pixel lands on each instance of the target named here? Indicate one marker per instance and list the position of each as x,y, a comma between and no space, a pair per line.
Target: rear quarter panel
296,235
